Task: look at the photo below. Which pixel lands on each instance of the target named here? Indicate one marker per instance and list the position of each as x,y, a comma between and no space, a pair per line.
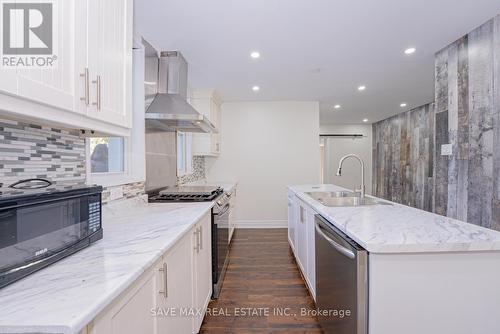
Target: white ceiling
319,50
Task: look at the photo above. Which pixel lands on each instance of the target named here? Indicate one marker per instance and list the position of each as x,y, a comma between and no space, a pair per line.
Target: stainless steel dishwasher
341,281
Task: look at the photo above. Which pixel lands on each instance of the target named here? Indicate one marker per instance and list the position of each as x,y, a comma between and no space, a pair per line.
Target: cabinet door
311,253
202,268
291,223
131,314
207,144
302,238
62,86
110,60
214,113
232,218
8,81
177,288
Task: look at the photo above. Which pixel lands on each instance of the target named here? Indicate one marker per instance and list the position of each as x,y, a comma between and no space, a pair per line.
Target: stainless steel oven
41,226
341,281
220,241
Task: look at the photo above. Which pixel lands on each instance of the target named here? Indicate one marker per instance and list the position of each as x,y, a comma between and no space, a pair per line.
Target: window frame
187,153
110,178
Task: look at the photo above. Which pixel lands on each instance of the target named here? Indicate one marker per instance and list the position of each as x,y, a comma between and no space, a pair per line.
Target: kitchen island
426,273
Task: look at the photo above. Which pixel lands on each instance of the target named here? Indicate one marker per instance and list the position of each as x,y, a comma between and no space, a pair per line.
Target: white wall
265,147
336,148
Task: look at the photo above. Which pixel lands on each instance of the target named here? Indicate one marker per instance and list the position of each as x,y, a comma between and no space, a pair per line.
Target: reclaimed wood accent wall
407,163
403,152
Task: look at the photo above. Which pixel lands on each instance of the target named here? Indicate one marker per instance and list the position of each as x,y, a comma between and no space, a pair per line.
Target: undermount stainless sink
343,198
332,194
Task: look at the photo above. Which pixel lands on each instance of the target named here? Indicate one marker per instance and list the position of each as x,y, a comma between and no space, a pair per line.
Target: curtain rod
353,135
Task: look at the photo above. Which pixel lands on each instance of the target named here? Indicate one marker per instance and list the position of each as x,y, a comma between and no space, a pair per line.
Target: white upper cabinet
58,86
109,60
90,84
8,81
208,104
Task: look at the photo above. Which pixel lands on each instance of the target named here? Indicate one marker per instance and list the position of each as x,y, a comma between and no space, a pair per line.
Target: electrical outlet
115,193
446,149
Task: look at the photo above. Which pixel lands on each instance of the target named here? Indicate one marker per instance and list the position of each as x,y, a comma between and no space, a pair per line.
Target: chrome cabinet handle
86,97
98,92
201,238
164,269
197,235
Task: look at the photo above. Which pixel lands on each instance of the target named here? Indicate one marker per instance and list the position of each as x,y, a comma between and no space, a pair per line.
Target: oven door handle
224,210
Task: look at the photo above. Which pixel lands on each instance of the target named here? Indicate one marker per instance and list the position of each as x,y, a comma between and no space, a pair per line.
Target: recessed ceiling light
337,106
365,120
402,105
410,51
255,54
255,88
361,88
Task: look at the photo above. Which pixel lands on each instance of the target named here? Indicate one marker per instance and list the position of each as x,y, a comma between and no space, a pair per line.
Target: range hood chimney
168,110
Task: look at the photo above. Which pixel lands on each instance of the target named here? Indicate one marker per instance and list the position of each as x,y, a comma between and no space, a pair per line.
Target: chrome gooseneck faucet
339,172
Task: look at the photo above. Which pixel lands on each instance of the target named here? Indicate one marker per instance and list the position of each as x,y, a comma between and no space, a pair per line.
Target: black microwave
41,226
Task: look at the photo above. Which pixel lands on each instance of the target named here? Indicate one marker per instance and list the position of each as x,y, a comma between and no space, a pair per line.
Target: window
107,155
184,154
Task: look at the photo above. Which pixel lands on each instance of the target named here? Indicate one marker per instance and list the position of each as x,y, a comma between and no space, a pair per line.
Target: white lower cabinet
301,235
176,289
171,297
131,312
202,268
232,223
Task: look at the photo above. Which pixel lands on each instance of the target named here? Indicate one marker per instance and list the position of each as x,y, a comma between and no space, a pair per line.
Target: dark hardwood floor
262,275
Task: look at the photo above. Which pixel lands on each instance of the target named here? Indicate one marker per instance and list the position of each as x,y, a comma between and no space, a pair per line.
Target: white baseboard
261,223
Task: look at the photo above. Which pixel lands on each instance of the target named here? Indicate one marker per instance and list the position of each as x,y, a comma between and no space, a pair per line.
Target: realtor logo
28,34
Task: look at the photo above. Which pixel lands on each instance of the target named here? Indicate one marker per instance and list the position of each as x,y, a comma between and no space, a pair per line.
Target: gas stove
185,194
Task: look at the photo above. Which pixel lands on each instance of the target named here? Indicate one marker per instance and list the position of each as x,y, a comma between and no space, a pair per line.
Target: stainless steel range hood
168,110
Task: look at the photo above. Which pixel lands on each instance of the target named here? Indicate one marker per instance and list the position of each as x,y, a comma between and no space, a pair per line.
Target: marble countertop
401,229
66,296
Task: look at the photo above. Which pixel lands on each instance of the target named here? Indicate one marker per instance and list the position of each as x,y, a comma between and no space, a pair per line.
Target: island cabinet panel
170,297
434,293
303,223
292,221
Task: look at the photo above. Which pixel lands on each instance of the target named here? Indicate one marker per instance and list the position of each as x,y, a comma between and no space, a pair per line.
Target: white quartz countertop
66,296
400,229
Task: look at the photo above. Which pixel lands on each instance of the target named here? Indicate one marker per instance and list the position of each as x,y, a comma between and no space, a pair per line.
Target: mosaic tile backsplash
198,171
31,150
130,190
